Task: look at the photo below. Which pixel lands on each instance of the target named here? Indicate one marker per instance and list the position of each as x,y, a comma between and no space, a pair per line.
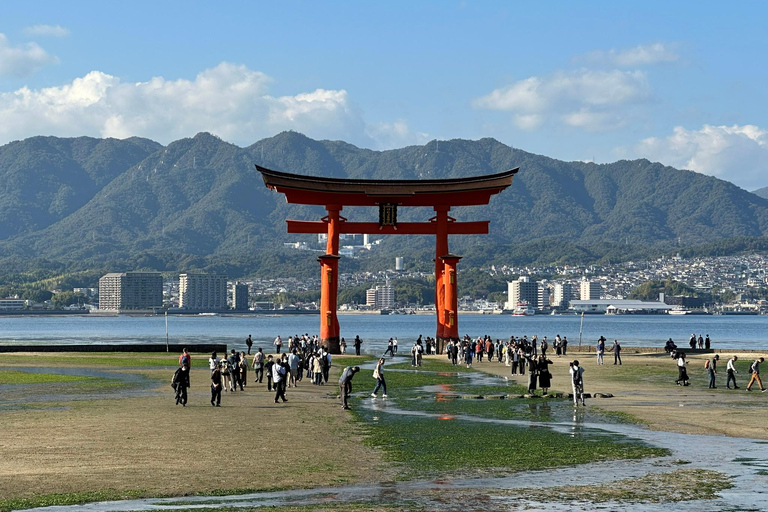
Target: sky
682,83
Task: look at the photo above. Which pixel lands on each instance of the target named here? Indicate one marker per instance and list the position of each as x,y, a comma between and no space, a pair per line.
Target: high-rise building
563,295
544,296
204,292
522,290
131,290
381,297
240,297
590,290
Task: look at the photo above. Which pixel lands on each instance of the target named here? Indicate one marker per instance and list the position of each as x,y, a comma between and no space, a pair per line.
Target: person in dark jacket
216,387
345,384
180,383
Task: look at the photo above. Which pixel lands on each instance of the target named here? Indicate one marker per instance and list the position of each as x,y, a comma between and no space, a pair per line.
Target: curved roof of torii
315,190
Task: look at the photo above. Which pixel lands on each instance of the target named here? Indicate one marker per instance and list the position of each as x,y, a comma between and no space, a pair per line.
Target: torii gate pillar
451,304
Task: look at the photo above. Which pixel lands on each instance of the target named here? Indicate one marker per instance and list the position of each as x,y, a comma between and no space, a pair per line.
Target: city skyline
576,82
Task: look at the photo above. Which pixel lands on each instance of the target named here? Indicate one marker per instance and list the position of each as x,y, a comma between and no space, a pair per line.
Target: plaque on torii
388,195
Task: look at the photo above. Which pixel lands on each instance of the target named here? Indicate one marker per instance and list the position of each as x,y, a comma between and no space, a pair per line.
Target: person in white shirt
731,371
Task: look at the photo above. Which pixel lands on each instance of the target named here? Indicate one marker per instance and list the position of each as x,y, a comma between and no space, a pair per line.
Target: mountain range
199,203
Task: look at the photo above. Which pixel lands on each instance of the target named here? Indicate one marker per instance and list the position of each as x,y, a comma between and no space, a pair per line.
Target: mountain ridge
200,199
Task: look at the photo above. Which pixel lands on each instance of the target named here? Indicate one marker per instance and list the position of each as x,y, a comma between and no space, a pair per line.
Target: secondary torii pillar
451,304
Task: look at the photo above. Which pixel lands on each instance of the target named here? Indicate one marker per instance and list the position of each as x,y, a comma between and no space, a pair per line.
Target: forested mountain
200,203
44,179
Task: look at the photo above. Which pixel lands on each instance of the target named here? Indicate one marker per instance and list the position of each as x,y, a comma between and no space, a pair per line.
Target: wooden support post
329,287
451,306
441,249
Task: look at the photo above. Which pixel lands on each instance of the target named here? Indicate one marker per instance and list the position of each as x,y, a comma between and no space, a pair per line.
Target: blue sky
677,82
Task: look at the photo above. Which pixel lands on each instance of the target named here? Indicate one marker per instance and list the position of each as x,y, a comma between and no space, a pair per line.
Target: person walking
577,380
390,348
600,349
185,358
258,366
682,373
345,384
180,383
249,343
279,378
213,361
616,349
216,387
730,370
754,369
278,343
712,371
268,366
293,366
378,374
358,342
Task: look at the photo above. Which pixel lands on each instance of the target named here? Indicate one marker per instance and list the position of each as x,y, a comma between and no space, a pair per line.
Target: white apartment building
203,291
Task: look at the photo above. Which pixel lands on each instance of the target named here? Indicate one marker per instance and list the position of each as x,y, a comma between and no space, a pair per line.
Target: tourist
216,387
701,342
545,377
754,369
213,361
317,369
692,342
279,377
600,349
345,384
712,370
378,374
357,344
533,374
707,343
278,343
249,343
258,366
390,348
185,358
558,346
577,380
544,346
682,373
731,372
616,349
226,374
455,353
243,367
669,346
293,367
394,344
234,371
468,354
180,383
343,346
268,370
325,362
565,345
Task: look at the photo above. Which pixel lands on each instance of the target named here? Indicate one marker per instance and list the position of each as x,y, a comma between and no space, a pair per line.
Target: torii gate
441,195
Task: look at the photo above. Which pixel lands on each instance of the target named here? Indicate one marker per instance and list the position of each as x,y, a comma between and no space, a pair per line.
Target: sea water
725,331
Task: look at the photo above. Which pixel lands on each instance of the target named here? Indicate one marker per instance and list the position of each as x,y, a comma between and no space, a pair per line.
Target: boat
678,310
523,309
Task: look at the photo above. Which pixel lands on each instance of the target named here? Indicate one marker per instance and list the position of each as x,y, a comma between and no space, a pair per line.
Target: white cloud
22,60
229,100
47,30
641,55
583,98
735,153
396,135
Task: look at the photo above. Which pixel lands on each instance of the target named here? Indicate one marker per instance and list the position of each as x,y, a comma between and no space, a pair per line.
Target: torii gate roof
315,190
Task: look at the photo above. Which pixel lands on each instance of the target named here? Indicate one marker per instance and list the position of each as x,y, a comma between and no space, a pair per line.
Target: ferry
523,309
678,310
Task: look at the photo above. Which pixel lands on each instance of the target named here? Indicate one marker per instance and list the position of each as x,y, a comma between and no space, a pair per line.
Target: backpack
577,375
706,364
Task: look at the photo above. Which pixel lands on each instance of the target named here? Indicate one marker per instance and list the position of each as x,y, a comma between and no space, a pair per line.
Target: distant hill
762,192
200,203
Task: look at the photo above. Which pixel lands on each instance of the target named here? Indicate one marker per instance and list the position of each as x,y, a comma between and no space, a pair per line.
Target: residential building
591,290
130,290
522,290
240,297
380,297
563,295
203,292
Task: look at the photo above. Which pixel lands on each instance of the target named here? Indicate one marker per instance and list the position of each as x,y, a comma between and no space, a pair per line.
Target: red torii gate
441,195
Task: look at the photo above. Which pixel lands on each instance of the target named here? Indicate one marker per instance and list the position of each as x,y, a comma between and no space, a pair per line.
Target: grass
431,365
19,377
74,498
123,360
426,447
680,485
